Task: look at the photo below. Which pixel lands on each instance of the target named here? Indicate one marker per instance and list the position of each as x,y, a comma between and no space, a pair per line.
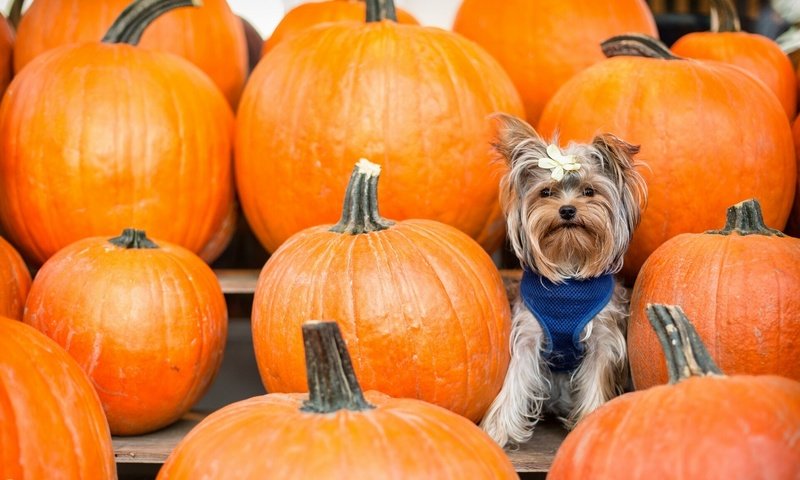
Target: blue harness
563,310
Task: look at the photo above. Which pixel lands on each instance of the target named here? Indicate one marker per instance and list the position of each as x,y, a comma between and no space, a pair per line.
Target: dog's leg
518,407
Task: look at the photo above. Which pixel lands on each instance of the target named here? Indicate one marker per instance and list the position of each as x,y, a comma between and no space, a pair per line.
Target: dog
570,215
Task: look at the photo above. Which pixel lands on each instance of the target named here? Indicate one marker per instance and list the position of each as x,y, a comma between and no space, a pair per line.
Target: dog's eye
546,192
588,192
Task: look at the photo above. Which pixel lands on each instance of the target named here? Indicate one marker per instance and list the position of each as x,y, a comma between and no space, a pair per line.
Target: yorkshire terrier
570,215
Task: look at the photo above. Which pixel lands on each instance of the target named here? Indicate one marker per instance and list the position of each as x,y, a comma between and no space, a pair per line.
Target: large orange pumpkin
421,304
710,134
101,135
543,43
414,98
758,55
703,425
210,36
310,14
15,281
335,432
741,285
146,321
51,421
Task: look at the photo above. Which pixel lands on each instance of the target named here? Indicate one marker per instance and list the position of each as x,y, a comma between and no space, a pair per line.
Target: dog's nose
567,212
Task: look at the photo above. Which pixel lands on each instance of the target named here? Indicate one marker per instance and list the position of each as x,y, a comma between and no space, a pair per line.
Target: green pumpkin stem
378,10
685,353
15,13
360,211
131,23
132,238
745,218
637,45
724,16
332,382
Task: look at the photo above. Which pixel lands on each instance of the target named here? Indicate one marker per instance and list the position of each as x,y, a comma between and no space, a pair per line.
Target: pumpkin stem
131,23
745,218
332,382
360,211
637,45
133,238
685,353
15,13
378,10
724,17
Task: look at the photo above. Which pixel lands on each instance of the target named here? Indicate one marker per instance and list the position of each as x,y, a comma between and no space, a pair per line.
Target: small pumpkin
710,134
741,285
147,322
758,55
702,425
136,136
51,421
15,281
335,431
421,304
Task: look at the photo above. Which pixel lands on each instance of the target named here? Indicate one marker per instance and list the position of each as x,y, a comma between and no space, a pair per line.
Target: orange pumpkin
418,102
702,425
710,134
793,225
308,15
51,421
15,281
421,304
758,55
136,136
741,285
147,322
335,432
210,36
543,43
6,51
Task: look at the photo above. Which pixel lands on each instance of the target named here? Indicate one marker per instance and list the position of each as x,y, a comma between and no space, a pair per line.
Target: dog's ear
514,137
619,165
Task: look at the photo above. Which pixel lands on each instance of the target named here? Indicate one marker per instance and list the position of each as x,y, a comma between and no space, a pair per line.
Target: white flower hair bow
558,163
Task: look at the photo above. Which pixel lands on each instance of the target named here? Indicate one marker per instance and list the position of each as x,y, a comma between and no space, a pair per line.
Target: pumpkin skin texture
418,102
148,325
51,421
542,44
710,134
83,111
209,36
421,305
15,281
742,290
308,15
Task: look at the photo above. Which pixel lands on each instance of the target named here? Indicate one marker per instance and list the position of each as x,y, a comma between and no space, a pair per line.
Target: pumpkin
210,36
418,103
135,136
335,431
15,281
703,425
542,43
793,225
147,322
741,285
51,421
421,304
6,51
758,55
308,15
710,134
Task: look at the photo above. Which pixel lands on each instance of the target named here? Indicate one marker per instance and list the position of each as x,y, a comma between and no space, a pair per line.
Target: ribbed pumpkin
757,54
308,15
101,135
15,281
210,36
543,43
421,305
335,432
51,421
146,320
740,285
6,54
710,134
415,99
703,425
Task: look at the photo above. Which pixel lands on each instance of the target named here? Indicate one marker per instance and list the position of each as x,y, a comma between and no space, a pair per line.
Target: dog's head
570,212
